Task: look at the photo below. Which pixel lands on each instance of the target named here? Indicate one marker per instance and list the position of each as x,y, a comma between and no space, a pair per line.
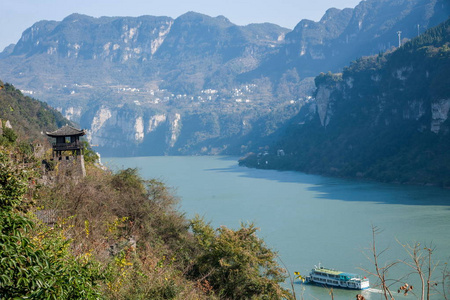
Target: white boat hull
344,285
333,278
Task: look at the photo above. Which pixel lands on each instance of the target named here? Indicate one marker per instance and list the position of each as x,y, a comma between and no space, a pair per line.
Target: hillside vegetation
29,116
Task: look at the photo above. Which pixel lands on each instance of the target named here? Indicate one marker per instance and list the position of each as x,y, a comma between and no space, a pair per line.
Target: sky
18,15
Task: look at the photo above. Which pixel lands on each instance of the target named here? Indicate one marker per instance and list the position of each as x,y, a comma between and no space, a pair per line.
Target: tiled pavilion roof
66,131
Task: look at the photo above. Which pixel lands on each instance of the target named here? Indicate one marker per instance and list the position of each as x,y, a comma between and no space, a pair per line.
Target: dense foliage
35,262
29,116
236,264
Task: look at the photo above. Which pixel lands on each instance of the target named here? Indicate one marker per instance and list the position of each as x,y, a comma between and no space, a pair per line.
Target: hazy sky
18,15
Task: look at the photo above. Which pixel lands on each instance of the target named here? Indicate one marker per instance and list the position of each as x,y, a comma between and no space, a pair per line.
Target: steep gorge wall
128,130
386,117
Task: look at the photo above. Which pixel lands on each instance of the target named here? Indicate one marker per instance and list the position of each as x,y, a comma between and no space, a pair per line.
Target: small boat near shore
330,277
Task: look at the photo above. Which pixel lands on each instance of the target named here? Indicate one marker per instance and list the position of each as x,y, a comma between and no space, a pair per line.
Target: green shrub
236,263
35,261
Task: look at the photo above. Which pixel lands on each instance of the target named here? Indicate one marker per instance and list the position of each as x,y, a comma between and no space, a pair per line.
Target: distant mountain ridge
129,50
146,84
342,36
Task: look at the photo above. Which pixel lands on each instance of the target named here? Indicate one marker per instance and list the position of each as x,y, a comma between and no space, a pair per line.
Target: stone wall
63,168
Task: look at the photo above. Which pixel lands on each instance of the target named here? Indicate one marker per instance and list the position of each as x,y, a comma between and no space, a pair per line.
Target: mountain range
197,84
342,36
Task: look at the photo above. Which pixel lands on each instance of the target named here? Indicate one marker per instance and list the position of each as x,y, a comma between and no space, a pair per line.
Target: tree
236,263
423,266
8,137
381,272
90,156
420,261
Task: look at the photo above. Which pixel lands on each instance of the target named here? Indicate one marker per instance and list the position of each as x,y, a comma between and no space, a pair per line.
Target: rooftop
328,271
66,131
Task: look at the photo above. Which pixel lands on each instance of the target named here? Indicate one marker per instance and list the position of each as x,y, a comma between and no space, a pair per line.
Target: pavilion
67,139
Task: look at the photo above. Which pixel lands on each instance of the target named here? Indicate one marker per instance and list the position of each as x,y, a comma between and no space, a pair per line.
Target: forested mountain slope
29,118
385,118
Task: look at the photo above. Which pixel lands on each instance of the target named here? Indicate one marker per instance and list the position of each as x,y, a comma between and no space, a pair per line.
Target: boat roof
328,271
334,272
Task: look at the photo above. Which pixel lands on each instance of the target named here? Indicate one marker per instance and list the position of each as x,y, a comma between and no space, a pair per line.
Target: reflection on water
308,219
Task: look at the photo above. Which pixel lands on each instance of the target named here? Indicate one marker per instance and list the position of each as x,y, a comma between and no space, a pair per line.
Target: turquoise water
308,219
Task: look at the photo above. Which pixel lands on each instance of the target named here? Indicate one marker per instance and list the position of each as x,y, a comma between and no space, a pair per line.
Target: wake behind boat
329,277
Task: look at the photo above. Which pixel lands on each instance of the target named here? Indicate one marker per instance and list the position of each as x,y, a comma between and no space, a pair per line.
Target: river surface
308,219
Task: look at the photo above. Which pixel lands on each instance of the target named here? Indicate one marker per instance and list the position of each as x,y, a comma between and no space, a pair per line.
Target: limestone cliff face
139,129
175,128
72,113
329,90
124,128
108,39
439,114
98,122
130,130
381,98
155,121
414,110
323,101
437,111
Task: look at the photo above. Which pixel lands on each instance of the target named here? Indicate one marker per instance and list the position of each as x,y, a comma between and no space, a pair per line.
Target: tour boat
329,277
